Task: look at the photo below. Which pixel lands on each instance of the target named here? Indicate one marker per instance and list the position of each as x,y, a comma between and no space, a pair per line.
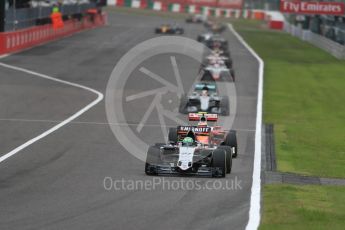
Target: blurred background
19,14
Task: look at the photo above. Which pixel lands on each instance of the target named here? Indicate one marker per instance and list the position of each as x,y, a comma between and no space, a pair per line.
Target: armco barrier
334,48
26,38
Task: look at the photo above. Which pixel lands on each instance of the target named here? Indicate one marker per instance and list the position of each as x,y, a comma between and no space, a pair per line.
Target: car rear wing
198,116
209,86
220,68
182,131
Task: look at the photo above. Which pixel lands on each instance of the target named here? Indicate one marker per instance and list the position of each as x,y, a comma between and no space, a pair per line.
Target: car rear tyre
231,140
229,63
232,72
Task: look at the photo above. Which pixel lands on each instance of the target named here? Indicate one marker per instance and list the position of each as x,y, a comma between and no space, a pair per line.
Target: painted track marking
62,123
99,123
254,210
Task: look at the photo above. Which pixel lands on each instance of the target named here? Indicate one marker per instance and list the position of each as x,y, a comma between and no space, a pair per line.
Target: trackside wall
26,38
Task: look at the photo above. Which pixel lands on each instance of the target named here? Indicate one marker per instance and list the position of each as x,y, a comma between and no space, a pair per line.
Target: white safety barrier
334,48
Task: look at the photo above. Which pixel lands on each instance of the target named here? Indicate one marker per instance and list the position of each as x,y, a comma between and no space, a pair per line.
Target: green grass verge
303,207
304,91
303,97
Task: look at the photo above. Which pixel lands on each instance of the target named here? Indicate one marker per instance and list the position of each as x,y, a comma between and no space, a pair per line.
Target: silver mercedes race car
204,98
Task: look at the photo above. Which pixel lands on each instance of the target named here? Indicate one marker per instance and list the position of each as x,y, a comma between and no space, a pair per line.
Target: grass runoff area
304,91
303,207
304,98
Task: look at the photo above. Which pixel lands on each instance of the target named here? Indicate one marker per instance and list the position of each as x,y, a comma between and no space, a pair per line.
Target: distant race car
204,37
197,18
208,24
199,150
217,72
219,57
217,42
169,29
204,98
215,27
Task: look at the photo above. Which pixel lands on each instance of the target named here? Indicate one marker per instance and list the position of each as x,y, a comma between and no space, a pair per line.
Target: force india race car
194,150
169,29
218,72
204,98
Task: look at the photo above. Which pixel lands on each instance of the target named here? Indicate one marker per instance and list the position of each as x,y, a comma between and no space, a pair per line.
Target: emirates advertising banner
301,7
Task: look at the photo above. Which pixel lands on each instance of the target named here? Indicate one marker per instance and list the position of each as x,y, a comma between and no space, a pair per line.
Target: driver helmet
187,140
204,91
203,121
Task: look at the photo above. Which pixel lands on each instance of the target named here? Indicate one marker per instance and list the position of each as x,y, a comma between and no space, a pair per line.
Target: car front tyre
219,161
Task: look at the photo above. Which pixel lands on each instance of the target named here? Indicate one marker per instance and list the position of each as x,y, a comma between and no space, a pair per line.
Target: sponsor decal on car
194,129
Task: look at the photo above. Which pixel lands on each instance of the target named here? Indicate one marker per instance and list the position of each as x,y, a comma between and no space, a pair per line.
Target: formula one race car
221,51
215,27
219,57
169,29
194,150
217,42
218,28
197,18
204,98
204,37
218,72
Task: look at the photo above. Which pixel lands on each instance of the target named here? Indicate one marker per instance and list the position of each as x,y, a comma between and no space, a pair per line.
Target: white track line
254,211
99,123
3,56
64,122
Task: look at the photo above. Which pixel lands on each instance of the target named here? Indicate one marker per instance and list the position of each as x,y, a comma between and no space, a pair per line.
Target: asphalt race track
58,182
